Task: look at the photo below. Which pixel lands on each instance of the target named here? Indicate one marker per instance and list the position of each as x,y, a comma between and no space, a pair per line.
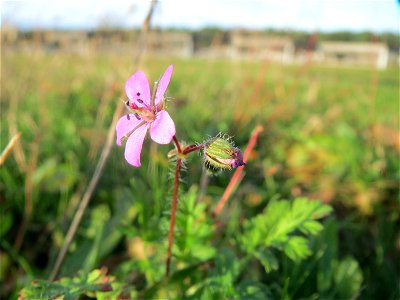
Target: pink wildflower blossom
146,113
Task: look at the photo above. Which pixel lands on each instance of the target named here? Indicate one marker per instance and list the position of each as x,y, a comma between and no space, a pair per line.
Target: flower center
148,115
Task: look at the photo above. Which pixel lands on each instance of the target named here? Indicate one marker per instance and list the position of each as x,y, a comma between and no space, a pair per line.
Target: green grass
329,134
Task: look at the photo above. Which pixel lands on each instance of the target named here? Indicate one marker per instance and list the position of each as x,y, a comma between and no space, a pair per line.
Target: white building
258,45
355,53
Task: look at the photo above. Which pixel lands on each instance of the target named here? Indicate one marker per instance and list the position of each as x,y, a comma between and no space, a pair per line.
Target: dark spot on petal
137,116
127,116
138,94
140,100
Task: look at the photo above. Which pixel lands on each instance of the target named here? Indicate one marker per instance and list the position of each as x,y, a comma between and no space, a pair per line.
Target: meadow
315,214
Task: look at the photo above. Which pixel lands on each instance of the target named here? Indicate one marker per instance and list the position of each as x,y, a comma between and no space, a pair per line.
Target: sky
308,15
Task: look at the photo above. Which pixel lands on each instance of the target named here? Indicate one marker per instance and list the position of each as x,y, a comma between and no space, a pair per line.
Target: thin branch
7,150
204,180
28,190
19,154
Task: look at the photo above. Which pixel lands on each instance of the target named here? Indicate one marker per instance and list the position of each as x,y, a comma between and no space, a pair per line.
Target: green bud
219,154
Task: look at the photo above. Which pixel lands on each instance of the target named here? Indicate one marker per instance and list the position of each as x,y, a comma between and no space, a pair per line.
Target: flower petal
134,146
162,129
137,89
124,125
163,84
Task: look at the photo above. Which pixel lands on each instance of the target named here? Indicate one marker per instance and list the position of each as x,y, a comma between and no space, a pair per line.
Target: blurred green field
330,134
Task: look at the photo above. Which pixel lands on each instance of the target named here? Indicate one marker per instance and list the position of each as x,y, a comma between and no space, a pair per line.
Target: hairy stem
178,146
173,212
181,154
192,148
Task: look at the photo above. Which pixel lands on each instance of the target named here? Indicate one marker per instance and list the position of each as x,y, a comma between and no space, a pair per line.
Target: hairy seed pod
220,154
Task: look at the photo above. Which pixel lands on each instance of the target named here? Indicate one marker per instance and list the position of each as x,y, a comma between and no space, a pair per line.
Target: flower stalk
180,155
174,204
173,213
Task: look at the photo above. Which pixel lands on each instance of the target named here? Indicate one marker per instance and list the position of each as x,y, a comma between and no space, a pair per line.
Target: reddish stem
178,146
173,213
192,148
185,151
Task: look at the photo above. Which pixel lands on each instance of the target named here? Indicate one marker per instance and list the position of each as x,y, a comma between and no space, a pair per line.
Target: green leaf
220,284
311,227
6,223
297,248
96,284
193,240
267,259
285,226
327,242
348,279
253,290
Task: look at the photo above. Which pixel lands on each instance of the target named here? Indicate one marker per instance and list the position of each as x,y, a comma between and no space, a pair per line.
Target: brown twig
7,150
237,176
204,180
28,189
106,97
19,154
101,163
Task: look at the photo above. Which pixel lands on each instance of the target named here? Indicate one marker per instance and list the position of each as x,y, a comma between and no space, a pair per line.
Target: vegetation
316,215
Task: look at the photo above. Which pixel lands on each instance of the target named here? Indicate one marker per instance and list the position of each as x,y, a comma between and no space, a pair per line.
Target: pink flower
147,113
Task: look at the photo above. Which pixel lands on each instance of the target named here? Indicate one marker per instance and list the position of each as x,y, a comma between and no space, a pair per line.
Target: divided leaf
95,284
285,226
297,248
268,260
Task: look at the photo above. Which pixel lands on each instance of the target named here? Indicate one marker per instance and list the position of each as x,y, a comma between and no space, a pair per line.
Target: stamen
127,116
153,96
126,136
137,116
144,104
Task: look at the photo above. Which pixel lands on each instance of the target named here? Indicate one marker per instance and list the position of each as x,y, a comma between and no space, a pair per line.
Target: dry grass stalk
10,146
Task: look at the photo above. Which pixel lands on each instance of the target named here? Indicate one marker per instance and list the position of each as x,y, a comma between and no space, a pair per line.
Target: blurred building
354,53
258,45
68,41
170,43
213,43
9,34
112,40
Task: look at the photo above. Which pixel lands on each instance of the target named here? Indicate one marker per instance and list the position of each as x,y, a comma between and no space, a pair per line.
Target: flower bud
220,154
